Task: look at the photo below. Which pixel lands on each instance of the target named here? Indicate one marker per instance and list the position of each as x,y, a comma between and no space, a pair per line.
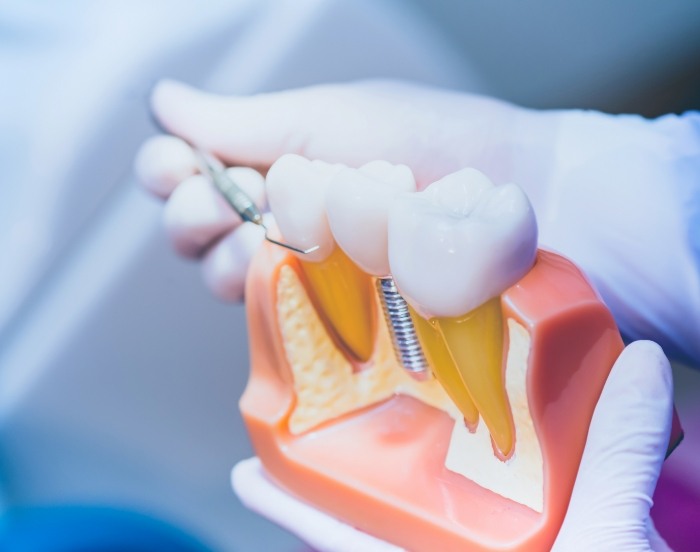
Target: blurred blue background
119,373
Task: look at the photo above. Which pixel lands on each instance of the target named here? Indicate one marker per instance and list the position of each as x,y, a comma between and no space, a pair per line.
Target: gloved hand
620,195
609,508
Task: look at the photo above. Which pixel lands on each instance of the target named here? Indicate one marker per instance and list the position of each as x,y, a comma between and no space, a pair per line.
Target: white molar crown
296,191
358,208
460,242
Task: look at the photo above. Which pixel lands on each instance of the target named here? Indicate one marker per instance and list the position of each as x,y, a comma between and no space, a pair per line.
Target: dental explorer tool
238,199
407,348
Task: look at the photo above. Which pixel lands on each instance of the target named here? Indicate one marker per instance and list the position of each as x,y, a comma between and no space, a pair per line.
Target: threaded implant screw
403,333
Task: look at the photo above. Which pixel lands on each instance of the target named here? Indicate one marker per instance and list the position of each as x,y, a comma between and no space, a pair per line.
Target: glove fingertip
225,266
174,105
649,370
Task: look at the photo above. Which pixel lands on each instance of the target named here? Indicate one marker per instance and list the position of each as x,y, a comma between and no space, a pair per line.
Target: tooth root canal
475,342
344,298
444,368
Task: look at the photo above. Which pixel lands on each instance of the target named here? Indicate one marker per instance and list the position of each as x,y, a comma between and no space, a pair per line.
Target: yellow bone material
475,342
344,297
444,368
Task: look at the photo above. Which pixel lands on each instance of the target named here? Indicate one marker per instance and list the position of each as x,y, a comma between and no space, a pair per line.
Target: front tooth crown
358,208
460,242
296,191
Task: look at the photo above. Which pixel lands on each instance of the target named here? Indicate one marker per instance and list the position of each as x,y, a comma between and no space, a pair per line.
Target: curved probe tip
291,247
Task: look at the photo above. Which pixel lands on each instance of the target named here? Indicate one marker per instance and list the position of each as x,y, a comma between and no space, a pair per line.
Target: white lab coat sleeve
623,202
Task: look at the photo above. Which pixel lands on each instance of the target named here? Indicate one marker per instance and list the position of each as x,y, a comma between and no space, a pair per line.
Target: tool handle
237,198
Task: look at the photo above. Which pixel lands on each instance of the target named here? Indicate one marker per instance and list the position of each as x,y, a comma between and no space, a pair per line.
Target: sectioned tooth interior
453,249
341,292
444,368
475,342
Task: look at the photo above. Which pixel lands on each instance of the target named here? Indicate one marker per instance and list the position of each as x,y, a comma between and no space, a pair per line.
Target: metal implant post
403,333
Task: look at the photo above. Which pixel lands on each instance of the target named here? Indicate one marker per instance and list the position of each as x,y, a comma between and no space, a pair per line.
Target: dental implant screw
403,333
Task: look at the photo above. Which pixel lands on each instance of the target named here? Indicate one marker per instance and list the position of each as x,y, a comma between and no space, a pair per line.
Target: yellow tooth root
438,356
344,298
475,342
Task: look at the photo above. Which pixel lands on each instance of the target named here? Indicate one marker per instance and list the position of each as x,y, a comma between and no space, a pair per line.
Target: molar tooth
460,242
340,291
453,249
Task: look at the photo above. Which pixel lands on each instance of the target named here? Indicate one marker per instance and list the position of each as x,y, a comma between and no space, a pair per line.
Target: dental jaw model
484,455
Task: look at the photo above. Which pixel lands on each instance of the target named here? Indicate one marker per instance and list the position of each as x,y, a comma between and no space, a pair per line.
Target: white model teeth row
450,248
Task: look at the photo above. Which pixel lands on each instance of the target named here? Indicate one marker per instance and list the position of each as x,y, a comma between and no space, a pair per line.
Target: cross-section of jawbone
393,456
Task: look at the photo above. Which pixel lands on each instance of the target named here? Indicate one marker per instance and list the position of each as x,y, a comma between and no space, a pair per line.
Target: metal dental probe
238,199
407,347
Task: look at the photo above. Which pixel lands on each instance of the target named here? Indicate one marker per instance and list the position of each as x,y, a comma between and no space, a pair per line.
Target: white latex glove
620,195
609,508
